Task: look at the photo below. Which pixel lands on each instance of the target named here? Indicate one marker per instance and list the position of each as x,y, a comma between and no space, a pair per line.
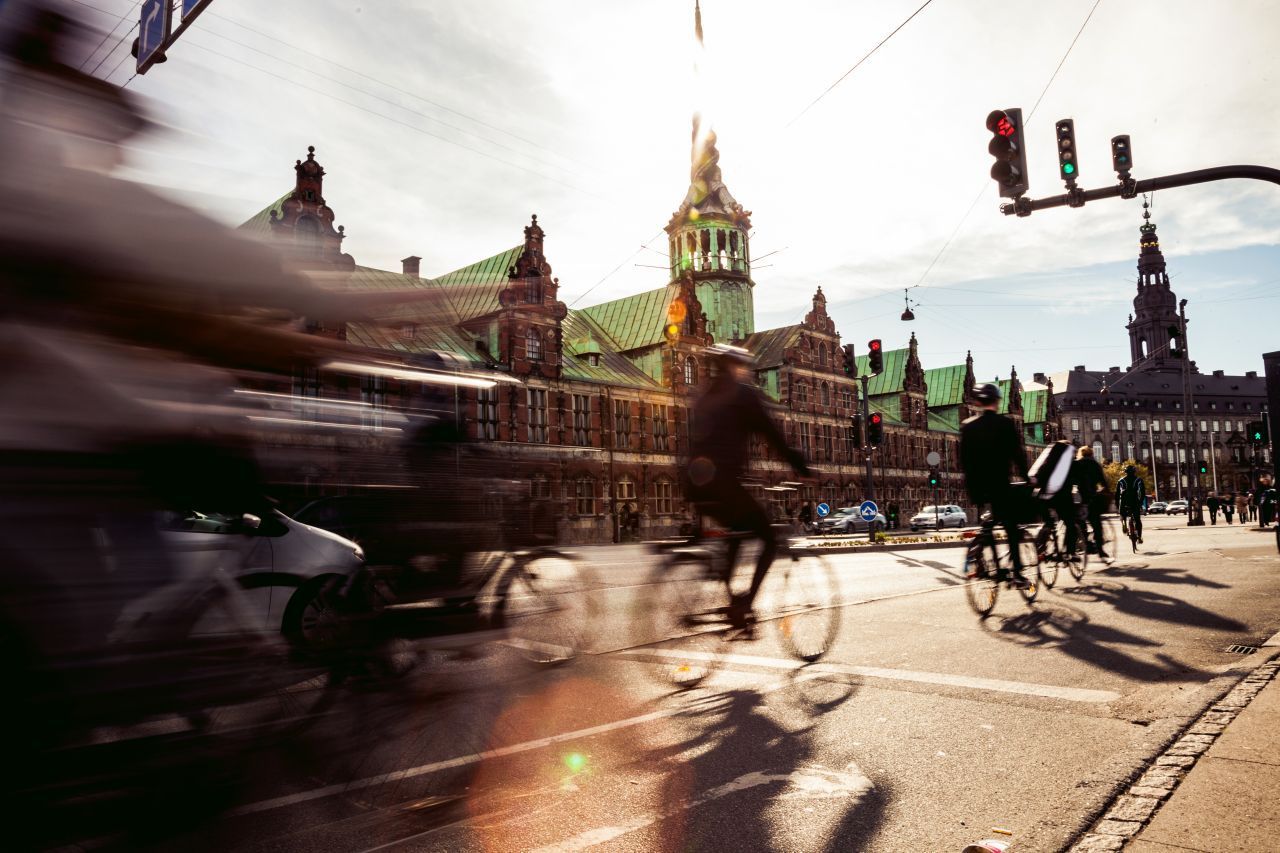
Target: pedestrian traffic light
855,429
875,357
1121,156
1258,432
1006,145
1068,163
850,365
1204,468
875,429
934,478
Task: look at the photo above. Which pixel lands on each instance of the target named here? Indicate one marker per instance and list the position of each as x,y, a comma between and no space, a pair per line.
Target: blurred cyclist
1131,497
728,413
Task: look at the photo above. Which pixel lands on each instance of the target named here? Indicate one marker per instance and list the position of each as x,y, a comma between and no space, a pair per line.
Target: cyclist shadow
1149,574
753,779
1069,631
1148,604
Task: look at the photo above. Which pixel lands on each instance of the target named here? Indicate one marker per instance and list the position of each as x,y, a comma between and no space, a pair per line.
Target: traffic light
1010,168
875,429
850,366
855,429
875,357
1259,432
934,478
1204,468
1121,156
1068,163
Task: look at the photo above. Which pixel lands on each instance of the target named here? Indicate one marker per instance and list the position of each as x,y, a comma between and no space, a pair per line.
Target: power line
609,274
856,64
113,49
1062,61
108,34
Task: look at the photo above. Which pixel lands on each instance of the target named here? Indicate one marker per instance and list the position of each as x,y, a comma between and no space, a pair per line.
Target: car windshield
933,509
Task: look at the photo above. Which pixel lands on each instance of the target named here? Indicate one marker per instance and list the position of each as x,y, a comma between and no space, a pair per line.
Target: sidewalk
1224,773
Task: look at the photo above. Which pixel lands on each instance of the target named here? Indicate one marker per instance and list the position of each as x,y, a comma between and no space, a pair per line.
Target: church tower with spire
1154,322
708,238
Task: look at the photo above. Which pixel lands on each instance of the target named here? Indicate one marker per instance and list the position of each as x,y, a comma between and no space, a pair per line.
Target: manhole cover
1241,650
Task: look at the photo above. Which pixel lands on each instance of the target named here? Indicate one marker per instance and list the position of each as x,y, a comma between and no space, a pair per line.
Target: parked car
939,516
848,520
1176,507
1157,508
282,564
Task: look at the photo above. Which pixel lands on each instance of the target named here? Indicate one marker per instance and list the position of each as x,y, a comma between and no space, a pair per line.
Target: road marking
1274,641
477,757
806,783
994,685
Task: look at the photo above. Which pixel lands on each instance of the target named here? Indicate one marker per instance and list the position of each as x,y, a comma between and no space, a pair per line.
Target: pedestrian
1242,507
1212,504
1228,507
624,522
1253,505
635,522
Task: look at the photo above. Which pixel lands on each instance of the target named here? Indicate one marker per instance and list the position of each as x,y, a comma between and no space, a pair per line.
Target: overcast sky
444,124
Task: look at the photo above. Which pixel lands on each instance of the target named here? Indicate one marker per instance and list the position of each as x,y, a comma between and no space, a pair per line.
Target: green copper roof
946,385
941,422
886,408
634,322
1035,405
770,345
416,339
260,222
613,368
891,378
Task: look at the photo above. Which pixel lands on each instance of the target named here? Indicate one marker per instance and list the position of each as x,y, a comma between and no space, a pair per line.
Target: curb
1137,804
883,546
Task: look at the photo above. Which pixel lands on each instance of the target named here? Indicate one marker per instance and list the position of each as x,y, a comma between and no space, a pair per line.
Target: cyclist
1131,496
724,419
1092,484
991,450
1052,475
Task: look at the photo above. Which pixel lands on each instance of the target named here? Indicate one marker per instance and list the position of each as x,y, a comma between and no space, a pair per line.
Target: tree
1115,470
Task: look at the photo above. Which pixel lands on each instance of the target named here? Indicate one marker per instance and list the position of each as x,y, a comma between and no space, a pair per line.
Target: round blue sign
823,510
868,510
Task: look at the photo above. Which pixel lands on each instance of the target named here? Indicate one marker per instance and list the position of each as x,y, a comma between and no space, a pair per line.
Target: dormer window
593,359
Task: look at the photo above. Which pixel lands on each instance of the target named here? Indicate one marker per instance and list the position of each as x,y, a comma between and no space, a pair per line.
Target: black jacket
1087,474
1131,492
990,451
724,419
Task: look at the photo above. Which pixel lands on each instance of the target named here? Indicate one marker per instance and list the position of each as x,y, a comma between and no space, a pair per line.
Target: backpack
1052,468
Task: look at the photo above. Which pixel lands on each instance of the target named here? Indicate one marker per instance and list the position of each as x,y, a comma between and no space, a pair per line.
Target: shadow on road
1149,574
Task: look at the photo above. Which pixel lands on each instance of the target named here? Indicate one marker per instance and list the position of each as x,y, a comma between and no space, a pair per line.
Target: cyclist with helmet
990,451
1131,497
729,412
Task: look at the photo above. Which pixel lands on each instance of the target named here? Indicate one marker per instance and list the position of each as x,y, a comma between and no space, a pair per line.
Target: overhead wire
107,35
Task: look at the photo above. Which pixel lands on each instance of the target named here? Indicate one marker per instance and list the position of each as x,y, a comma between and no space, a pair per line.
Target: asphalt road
924,727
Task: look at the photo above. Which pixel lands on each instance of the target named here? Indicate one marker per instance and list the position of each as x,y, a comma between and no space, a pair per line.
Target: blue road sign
191,7
868,510
153,32
823,510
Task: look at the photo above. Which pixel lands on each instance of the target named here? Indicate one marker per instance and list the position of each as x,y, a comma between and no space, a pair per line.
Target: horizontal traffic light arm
1025,206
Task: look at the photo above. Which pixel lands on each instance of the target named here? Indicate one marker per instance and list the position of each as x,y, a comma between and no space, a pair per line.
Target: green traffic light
1068,169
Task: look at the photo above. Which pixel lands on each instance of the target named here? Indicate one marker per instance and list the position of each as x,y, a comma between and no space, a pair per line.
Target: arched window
822,355
690,371
1097,450
826,391
1115,451
1142,347
533,345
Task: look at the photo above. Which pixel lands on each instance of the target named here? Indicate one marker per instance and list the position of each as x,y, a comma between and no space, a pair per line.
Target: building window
690,371
1146,452
662,501
533,345
582,420
822,355
1115,424
848,445
533,290
1215,426
539,487
846,399
1168,425
659,427
487,413
806,444
1128,424
626,490
538,415
1097,450
826,393
622,424
1182,453
1142,424
373,391
1075,424
1129,451
584,496
802,393
828,450
1097,424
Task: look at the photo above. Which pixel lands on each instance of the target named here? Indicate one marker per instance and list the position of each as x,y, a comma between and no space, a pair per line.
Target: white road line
477,757
806,783
994,685
1274,641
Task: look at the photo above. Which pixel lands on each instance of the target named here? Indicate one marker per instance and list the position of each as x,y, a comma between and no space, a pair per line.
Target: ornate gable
817,319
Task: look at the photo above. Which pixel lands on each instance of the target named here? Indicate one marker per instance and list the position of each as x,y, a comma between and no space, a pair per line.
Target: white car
280,564
939,517
1176,507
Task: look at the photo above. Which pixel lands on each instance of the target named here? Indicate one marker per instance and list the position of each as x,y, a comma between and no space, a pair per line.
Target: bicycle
983,587
690,607
1052,554
1131,530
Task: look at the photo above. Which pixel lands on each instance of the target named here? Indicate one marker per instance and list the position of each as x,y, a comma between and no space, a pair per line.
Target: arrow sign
868,510
824,510
153,32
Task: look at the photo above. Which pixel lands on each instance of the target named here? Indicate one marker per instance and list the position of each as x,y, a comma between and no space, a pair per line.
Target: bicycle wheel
1078,566
1131,528
688,627
1047,568
981,588
805,605
1030,564
545,607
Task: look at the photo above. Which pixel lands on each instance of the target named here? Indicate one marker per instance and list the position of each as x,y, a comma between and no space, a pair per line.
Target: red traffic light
876,417
998,122
874,346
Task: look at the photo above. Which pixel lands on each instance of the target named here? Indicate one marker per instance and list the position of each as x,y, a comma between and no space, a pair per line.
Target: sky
444,124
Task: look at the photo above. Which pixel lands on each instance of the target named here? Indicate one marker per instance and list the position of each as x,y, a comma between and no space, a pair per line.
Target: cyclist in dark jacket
1131,497
1092,484
990,451
724,419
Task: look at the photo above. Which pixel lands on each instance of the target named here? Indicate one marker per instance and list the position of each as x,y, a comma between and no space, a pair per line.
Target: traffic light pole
866,451
1128,189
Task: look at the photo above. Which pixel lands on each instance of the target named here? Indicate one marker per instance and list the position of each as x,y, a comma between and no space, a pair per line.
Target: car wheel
310,619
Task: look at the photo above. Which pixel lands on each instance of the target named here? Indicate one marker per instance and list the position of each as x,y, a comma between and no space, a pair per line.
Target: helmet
729,354
1131,469
987,393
